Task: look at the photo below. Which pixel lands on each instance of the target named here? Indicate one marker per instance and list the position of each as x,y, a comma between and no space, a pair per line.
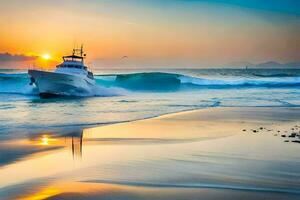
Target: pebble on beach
288,133
292,135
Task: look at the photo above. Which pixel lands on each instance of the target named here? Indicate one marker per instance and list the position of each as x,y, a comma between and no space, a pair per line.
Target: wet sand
212,153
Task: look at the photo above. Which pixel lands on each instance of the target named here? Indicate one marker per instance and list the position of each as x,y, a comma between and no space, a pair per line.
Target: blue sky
281,6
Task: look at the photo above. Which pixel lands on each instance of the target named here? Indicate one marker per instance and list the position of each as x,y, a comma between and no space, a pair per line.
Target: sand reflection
73,142
192,152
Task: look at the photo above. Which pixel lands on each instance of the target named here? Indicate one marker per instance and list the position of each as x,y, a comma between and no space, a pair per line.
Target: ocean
239,138
127,95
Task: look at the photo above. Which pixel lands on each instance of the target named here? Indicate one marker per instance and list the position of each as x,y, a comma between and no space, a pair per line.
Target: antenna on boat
78,51
81,52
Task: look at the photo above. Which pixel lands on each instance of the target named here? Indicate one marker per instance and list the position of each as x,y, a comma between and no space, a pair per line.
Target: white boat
71,77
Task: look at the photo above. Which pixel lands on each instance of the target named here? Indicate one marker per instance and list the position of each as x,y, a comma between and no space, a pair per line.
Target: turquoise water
126,95
55,149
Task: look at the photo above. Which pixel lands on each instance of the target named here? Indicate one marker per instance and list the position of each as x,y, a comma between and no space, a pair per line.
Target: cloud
7,57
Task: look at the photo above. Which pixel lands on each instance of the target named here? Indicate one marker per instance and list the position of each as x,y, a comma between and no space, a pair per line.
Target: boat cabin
73,58
71,65
75,62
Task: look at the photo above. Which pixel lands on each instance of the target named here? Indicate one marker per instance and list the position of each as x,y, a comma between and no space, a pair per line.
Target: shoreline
75,132
193,149
71,128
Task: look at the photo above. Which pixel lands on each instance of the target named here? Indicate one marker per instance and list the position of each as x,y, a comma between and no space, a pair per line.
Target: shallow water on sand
185,152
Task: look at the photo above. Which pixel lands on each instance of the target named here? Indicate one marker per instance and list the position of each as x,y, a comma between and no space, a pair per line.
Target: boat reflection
12,151
72,141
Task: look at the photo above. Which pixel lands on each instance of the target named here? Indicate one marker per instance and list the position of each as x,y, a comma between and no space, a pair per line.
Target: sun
46,56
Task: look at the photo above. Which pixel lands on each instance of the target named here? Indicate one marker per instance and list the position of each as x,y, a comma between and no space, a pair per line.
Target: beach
150,100
210,153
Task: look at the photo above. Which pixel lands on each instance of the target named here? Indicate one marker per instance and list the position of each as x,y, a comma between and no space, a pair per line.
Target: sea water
126,95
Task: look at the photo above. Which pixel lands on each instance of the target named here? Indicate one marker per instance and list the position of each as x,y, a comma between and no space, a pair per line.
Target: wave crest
118,84
169,81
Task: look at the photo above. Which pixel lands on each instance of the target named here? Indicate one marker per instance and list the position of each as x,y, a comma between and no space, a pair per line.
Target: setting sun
46,56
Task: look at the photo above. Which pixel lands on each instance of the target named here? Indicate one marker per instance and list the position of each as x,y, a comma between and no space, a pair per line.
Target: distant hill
266,65
240,64
273,64
270,64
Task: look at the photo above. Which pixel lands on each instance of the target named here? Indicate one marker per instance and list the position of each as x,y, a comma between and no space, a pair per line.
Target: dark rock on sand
283,135
292,135
296,141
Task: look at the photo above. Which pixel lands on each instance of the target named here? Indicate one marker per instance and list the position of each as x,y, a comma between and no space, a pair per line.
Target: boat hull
53,84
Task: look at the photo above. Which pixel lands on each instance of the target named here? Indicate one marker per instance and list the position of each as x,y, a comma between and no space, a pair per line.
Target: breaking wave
119,84
168,81
242,82
275,75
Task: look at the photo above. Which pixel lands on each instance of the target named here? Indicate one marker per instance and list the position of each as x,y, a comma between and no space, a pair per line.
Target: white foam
104,92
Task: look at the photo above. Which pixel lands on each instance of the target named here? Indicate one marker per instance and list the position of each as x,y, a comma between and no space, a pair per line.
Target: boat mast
81,50
78,52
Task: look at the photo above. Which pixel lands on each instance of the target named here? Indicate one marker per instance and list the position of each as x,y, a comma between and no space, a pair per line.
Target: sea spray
100,91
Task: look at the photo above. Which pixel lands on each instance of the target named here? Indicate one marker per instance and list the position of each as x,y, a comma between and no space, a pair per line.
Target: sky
149,33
